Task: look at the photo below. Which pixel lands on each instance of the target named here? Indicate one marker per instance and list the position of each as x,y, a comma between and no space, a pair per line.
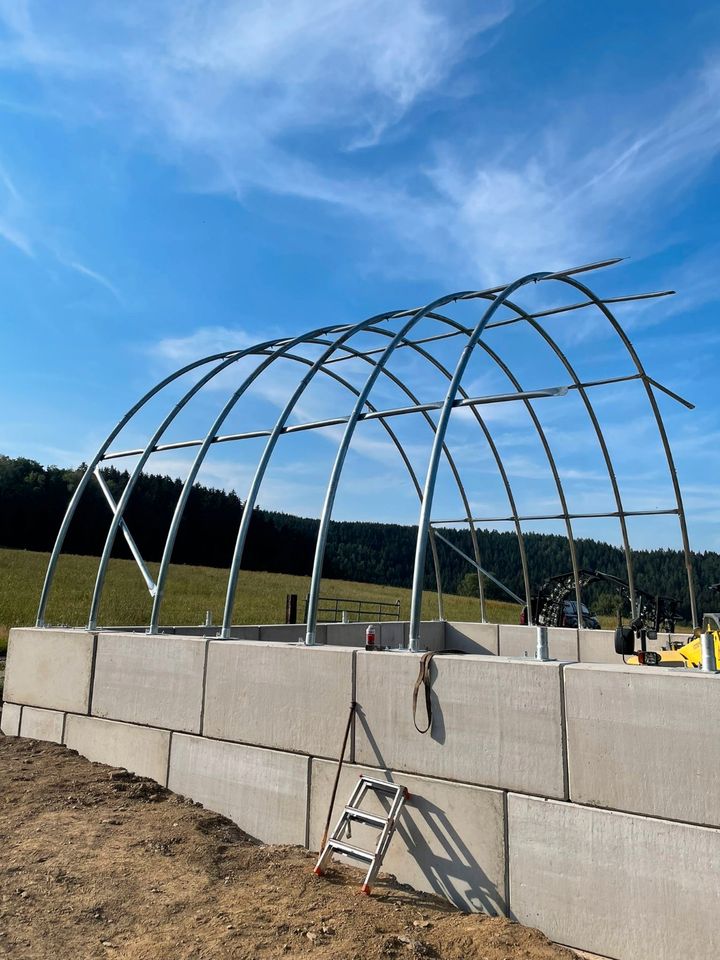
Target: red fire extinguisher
370,637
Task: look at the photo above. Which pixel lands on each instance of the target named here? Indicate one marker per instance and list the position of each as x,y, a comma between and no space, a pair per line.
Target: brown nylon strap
423,679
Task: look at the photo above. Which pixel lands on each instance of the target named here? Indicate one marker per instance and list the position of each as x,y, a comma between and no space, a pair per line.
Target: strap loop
423,679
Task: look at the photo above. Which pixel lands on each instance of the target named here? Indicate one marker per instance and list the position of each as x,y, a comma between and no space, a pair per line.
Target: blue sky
180,177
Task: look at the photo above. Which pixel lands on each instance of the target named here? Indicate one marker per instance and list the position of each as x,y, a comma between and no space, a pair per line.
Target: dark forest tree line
33,500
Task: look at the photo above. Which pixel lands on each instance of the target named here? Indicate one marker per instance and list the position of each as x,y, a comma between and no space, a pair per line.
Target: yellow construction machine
631,644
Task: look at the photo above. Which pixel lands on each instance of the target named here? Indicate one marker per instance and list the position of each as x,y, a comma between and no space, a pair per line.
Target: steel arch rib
661,430
259,349
562,356
90,469
284,347
281,347
551,462
413,476
523,315
137,470
499,463
342,452
491,443
450,459
434,462
316,366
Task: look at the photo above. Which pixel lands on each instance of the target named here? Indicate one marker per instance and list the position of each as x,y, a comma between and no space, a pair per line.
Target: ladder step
339,847
362,816
383,786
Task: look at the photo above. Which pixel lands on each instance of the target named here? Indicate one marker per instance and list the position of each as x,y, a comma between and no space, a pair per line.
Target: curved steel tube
450,459
249,503
661,430
267,453
137,470
434,462
551,463
342,452
284,348
89,470
340,335
562,356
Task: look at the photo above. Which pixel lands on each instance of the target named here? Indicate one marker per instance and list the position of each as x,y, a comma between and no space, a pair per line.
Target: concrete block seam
11,703
73,713
203,689
506,854
353,697
308,794
167,768
93,661
431,777
564,734
636,814
373,766
246,743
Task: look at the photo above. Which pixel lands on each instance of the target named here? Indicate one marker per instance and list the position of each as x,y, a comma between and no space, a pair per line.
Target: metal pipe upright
707,649
430,480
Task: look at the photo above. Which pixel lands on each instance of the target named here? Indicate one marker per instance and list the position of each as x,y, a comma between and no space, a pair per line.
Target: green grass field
190,592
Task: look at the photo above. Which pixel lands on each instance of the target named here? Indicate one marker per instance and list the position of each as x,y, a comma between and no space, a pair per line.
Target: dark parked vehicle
569,616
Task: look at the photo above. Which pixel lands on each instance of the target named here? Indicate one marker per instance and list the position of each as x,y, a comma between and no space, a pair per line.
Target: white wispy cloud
21,226
94,275
202,342
11,215
242,96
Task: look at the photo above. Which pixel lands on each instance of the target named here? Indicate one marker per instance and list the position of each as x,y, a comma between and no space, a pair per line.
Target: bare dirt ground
95,862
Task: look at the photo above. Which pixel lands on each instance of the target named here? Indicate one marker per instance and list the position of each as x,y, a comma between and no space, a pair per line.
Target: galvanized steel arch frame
336,341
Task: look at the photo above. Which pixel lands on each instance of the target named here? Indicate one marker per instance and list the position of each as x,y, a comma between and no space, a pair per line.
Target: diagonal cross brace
150,583
482,570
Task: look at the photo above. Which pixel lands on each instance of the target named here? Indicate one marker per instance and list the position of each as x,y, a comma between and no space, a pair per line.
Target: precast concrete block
50,668
432,635
141,750
278,696
394,634
497,722
245,633
10,719
388,634
612,883
519,641
644,739
154,680
598,646
348,634
211,632
449,840
39,724
265,792
290,633
479,638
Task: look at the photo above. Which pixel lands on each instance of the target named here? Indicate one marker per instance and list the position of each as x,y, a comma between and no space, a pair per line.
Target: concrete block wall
505,639
579,798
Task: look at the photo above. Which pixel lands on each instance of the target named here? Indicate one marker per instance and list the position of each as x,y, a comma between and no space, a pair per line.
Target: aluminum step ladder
352,813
